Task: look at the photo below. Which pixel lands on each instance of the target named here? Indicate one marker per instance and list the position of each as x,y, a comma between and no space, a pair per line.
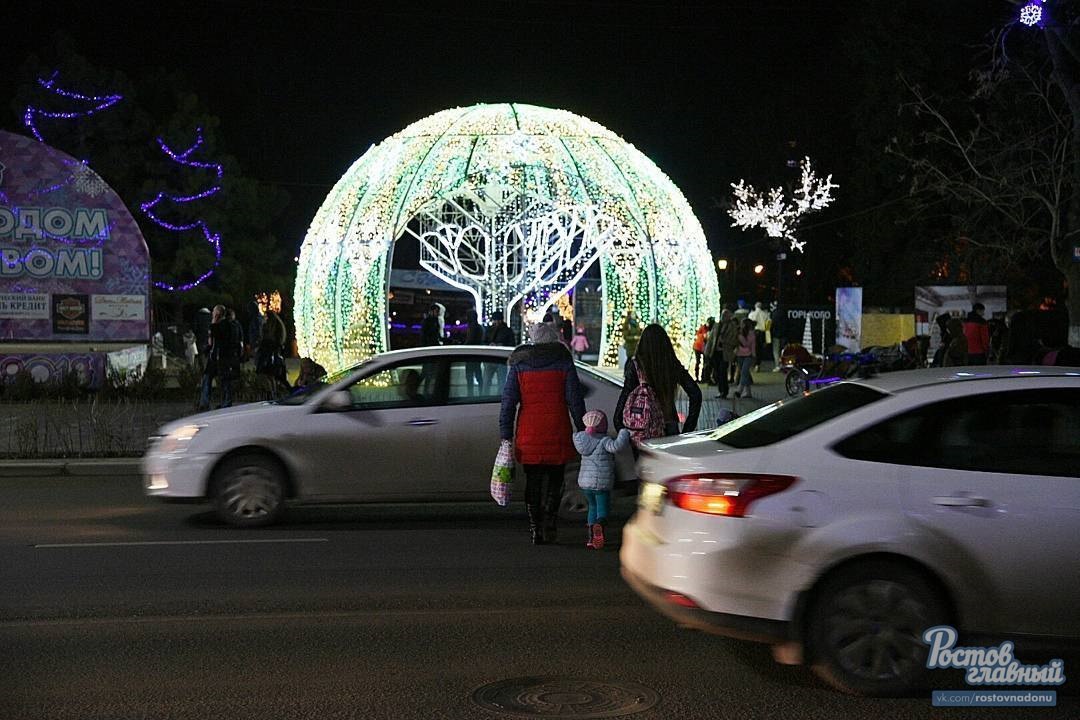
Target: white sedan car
838,526
409,425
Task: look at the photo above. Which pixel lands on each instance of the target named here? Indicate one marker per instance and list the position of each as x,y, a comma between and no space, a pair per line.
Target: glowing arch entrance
512,203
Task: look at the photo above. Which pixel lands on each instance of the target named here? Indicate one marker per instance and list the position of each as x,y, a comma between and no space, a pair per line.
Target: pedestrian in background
597,474
699,347
310,373
237,340
580,343
663,371
779,330
977,333
191,348
727,340
540,399
256,319
745,354
498,333
760,317
631,332
956,353
269,357
431,328
222,358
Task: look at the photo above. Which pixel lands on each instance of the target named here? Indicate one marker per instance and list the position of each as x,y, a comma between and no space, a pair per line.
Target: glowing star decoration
212,238
513,203
1032,13
776,214
97,104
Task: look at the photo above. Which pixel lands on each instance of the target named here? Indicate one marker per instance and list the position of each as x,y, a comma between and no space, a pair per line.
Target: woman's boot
535,523
551,519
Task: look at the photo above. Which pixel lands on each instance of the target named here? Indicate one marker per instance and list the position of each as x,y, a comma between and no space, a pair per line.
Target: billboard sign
67,237
935,304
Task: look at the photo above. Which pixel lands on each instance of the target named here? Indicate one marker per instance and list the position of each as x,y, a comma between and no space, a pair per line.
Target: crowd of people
220,345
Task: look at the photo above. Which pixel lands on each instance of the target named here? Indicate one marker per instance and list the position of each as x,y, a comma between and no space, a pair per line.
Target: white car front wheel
249,490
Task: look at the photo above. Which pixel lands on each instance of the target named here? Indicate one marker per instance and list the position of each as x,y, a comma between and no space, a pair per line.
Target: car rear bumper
735,626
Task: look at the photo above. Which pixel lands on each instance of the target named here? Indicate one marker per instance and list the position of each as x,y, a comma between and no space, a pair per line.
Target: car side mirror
337,401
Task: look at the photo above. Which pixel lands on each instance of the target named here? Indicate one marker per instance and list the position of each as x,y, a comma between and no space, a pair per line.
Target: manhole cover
540,697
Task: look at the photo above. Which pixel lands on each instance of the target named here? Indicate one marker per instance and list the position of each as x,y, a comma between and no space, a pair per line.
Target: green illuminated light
655,262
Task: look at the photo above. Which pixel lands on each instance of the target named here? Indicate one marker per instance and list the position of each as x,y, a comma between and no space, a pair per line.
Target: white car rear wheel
249,490
866,627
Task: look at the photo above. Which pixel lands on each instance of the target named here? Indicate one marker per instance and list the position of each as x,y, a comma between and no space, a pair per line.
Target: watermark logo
990,665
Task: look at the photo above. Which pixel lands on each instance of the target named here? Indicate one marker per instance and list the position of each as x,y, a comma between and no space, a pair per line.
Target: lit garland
100,102
774,212
651,248
211,237
84,180
1032,13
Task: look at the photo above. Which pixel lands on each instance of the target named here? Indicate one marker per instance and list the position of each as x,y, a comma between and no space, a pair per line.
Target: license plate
651,497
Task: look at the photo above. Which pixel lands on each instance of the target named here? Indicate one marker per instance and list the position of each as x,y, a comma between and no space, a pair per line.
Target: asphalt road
113,606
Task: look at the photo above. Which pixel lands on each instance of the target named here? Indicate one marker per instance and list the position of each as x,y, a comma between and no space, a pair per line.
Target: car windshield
301,395
787,418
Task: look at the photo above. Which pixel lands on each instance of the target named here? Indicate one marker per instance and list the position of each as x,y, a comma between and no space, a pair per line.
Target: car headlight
177,440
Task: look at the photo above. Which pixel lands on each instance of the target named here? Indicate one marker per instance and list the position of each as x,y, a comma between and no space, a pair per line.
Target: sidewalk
76,467
768,387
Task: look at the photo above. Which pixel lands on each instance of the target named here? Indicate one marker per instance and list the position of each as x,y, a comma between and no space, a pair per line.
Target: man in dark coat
223,358
498,333
541,403
429,328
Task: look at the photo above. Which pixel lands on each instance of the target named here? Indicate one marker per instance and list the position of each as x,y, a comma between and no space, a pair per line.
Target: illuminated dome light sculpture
512,203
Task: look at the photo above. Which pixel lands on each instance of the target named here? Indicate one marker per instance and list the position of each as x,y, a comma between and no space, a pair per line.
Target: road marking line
179,542
313,615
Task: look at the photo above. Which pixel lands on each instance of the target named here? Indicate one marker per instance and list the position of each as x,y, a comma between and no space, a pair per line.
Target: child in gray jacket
597,474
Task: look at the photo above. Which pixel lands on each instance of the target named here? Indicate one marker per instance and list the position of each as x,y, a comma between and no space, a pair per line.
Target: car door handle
961,501
421,422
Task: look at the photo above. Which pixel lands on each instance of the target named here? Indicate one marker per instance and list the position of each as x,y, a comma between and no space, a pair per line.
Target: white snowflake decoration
774,213
1031,14
87,182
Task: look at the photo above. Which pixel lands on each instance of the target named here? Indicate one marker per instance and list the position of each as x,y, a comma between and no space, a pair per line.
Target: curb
75,468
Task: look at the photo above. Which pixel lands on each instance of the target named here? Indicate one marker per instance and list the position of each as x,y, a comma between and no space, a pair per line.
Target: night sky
710,91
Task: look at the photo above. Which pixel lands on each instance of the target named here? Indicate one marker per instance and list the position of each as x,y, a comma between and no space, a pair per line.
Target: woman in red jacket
543,394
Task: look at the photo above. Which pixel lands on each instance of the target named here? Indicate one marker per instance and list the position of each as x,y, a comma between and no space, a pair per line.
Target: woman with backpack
646,405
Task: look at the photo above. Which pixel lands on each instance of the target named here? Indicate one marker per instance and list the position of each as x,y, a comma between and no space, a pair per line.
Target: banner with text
73,263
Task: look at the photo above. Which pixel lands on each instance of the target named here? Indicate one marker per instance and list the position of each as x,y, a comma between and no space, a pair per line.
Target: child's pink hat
595,422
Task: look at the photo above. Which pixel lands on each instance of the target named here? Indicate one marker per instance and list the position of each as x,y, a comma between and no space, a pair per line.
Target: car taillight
728,494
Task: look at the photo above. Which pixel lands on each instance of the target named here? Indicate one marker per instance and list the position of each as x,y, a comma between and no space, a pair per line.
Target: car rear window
787,418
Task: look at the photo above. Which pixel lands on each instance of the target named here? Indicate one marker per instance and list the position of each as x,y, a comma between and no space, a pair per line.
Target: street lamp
758,269
722,266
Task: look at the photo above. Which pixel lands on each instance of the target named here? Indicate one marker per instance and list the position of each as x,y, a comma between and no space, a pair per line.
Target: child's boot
597,536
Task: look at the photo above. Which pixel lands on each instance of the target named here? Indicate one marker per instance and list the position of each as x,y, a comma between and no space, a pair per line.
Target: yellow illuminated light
711,504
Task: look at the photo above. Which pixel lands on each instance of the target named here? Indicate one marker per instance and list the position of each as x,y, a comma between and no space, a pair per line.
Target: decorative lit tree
506,246
212,238
777,214
95,104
